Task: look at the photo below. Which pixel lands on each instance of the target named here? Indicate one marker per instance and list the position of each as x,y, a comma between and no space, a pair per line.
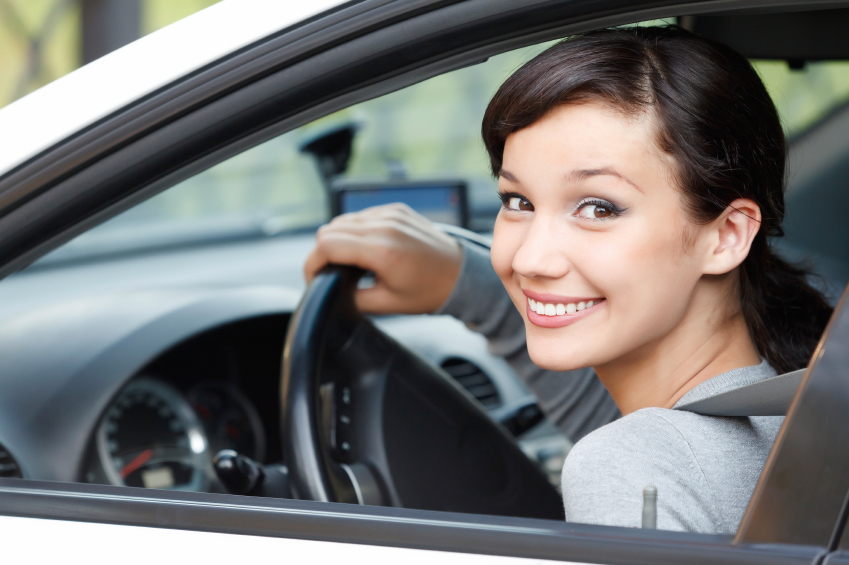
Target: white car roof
90,93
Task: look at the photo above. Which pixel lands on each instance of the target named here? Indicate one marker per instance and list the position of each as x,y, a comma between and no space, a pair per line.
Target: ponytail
785,314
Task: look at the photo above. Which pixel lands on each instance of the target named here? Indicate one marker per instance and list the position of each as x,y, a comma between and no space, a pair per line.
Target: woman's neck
701,347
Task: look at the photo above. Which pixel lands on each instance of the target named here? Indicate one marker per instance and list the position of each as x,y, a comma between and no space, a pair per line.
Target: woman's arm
575,401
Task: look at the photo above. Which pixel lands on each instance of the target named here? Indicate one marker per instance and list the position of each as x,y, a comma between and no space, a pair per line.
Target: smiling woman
641,173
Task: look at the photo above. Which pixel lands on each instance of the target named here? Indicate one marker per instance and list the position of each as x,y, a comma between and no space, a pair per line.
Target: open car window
431,132
279,191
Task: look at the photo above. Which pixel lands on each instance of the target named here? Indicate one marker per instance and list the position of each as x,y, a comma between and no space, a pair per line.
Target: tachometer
230,420
150,437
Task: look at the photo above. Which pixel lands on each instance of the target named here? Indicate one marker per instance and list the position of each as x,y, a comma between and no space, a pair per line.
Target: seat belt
770,397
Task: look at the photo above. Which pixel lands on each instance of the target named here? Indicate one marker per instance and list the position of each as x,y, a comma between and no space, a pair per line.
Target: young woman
642,173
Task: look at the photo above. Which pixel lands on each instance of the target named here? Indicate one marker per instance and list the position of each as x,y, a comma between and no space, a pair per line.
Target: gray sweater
704,467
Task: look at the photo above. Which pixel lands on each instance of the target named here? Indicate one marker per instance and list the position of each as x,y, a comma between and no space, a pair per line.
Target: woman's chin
554,358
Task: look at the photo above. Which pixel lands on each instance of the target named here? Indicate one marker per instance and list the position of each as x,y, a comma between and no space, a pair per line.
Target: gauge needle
140,460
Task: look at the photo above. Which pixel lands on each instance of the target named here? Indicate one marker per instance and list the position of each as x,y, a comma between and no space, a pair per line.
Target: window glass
805,96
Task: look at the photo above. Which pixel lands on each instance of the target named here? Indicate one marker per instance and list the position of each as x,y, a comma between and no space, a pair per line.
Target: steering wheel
367,421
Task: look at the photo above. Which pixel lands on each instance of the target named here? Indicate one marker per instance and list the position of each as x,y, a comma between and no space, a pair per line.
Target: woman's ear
731,236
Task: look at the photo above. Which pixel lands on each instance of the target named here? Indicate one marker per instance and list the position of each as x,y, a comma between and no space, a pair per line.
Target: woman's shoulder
669,443
681,454
648,436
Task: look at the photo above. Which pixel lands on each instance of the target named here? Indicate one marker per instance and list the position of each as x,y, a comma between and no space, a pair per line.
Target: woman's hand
415,264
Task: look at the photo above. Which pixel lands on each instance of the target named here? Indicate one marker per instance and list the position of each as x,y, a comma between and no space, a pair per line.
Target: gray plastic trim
62,395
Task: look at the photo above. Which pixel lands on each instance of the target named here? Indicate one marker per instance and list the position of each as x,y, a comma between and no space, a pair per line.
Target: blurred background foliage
41,40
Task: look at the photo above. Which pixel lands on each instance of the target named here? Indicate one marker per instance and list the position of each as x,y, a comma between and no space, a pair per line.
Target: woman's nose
542,253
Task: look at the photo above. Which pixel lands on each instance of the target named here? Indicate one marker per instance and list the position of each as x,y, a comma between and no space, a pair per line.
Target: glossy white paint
79,99
31,540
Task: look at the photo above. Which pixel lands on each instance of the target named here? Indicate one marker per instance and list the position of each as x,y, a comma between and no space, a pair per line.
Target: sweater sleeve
575,401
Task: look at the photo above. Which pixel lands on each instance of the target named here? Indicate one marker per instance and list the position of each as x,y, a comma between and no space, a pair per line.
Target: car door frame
381,526
357,52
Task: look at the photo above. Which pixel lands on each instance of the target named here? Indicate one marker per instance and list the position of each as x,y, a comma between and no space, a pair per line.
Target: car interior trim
100,363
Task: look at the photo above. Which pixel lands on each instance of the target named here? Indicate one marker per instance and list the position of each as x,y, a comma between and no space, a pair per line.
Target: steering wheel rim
324,299
419,439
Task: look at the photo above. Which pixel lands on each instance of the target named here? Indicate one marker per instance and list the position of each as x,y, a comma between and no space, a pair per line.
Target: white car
156,207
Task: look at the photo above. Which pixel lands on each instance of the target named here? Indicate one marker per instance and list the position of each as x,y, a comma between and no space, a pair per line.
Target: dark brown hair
717,120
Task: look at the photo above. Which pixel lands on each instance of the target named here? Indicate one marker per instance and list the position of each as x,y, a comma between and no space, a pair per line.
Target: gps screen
443,203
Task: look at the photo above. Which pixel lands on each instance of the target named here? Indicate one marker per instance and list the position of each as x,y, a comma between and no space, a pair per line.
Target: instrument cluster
151,435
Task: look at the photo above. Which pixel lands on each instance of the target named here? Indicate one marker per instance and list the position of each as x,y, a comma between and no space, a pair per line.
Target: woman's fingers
341,248
415,264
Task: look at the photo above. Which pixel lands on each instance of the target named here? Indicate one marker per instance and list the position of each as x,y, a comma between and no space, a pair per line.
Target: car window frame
105,171
380,526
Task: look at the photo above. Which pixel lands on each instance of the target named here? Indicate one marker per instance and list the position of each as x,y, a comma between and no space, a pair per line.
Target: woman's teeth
557,309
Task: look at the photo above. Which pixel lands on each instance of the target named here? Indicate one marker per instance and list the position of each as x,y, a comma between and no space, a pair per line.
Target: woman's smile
552,311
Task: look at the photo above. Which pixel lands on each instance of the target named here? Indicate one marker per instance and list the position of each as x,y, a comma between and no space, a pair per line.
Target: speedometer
150,437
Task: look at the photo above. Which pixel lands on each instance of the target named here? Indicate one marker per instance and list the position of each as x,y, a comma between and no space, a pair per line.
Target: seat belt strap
770,397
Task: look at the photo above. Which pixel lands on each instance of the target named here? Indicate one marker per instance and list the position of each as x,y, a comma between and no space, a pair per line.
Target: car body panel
106,543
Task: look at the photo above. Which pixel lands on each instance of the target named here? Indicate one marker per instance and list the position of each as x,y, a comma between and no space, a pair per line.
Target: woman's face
592,242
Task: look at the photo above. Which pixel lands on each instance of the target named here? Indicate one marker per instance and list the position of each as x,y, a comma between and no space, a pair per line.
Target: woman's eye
597,210
594,212
518,204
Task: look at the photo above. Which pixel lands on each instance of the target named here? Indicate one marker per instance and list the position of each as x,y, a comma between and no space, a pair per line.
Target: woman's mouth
555,312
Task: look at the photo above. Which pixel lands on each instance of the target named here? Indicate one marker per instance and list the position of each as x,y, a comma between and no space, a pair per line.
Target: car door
353,53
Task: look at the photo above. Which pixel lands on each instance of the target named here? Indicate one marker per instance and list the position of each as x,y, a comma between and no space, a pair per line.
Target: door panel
446,532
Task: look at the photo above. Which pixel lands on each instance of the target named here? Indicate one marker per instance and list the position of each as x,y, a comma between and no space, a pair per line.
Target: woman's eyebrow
583,174
507,175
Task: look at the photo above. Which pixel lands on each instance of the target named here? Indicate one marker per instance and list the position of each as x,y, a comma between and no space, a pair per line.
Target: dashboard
220,390
137,370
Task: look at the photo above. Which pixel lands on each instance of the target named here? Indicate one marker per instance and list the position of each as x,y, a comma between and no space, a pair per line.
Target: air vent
473,380
8,465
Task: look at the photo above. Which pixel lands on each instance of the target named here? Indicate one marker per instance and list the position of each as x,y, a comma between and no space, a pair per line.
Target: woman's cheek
507,238
648,280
